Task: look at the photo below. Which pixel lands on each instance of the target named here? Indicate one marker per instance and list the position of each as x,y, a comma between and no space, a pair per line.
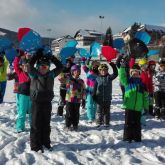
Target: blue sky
67,16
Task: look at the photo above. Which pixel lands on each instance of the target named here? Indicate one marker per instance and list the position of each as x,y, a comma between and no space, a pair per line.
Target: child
102,93
41,92
24,92
3,76
159,90
74,94
135,100
62,78
91,73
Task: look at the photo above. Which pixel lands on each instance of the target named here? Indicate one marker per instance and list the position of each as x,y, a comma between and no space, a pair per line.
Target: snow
88,146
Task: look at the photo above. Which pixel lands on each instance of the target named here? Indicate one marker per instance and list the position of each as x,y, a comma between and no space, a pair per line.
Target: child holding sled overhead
135,100
24,101
102,93
91,74
41,92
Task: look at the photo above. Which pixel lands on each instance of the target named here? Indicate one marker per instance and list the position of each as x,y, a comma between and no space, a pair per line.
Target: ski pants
159,108
61,102
72,114
23,108
40,129
2,90
103,114
91,107
132,126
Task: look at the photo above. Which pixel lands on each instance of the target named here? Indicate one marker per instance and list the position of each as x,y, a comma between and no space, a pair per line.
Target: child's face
24,67
162,67
103,72
135,73
43,69
143,67
76,73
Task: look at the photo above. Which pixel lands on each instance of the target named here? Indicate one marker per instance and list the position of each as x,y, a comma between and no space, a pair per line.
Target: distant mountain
4,33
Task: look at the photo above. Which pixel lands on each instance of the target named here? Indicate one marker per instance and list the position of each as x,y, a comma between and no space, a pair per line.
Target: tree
108,40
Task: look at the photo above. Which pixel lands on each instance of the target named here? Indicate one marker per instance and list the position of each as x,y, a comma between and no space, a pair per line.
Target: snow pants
2,90
72,114
159,108
103,114
91,107
23,108
61,102
40,129
132,126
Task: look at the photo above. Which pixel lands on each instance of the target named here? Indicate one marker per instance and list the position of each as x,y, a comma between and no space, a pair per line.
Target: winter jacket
3,70
23,78
147,79
136,96
75,90
159,81
102,93
63,76
91,78
43,84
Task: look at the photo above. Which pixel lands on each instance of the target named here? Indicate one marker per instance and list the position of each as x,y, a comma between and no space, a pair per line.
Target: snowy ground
88,146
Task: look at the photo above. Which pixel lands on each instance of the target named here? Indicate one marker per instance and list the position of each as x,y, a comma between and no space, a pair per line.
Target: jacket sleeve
84,66
122,76
146,100
118,60
58,64
16,65
31,69
115,71
95,91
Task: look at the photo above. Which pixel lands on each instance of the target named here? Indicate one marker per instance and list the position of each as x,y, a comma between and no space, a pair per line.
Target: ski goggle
44,66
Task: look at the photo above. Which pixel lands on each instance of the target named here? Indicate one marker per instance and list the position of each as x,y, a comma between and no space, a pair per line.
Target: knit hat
75,67
44,60
103,67
142,61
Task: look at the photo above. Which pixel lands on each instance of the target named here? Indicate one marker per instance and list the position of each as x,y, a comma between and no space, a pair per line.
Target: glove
83,59
123,63
83,104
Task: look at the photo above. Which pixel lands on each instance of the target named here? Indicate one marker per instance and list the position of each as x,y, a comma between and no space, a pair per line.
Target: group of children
34,83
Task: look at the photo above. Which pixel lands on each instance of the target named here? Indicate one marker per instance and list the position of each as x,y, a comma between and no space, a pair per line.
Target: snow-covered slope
90,145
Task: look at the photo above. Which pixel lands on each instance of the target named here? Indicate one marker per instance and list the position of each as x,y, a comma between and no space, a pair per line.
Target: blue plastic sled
118,43
95,49
71,43
83,52
153,52
67,52
143,36
10,55
5,44
30,42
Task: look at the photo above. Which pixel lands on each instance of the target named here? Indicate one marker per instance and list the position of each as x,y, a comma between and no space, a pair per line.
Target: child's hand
83,59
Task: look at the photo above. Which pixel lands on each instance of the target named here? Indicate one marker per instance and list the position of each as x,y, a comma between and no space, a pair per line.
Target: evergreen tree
108,40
